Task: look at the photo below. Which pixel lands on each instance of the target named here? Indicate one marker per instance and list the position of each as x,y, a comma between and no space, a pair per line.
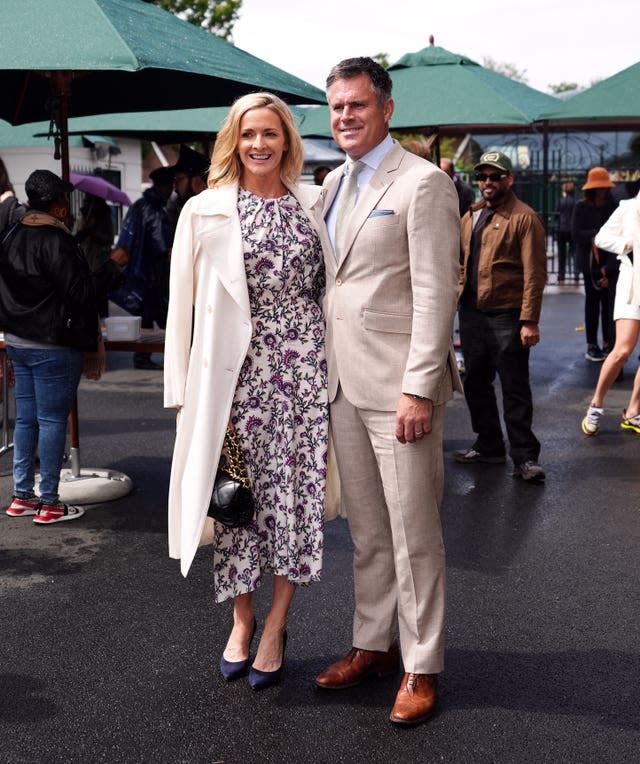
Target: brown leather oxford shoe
416,699
356,665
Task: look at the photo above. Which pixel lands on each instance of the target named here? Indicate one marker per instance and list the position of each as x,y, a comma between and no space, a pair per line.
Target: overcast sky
553,40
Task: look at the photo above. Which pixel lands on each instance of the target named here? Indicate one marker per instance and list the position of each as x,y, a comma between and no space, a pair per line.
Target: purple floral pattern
280,409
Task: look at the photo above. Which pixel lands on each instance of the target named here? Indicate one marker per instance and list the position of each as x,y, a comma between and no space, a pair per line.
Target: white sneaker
591,422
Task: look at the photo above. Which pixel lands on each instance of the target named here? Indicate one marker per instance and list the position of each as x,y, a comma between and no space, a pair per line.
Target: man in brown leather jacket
502,278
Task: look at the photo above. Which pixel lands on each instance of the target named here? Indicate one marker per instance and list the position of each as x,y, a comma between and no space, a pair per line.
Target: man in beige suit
390,304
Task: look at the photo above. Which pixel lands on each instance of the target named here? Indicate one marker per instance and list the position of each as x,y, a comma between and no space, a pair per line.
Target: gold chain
235,462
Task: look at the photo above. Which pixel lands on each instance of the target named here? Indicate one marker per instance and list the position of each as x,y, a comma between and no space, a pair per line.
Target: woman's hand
93,365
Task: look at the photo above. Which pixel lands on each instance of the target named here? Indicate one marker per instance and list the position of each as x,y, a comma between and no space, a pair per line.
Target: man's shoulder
412,162
515,206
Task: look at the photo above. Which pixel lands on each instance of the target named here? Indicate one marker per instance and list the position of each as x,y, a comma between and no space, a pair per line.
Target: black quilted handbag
231,500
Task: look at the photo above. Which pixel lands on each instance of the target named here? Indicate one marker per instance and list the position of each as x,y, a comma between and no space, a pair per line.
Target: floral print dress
280,408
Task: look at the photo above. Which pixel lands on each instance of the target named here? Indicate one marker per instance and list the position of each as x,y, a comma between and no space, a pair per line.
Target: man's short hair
43,187
353,67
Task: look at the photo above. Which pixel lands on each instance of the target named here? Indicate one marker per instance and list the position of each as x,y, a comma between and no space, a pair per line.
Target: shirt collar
373,158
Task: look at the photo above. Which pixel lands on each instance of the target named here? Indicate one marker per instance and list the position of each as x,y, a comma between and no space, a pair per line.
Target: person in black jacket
10,208
50,321
564,215
146,237
95,237
589,214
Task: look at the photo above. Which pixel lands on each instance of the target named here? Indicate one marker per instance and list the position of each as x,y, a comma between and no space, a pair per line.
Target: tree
563,87
504,67
382,59
216,16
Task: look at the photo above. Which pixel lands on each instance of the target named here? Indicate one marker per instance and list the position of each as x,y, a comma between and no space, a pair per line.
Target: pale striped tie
346,203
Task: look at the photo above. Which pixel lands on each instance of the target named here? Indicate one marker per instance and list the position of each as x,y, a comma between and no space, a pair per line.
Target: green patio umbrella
315,122
85,57
434,88
610,104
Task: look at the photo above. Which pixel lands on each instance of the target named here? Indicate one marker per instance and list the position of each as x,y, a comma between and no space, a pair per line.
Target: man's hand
529,334
413,418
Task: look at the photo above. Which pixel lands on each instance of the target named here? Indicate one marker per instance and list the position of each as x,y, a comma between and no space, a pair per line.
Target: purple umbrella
94,184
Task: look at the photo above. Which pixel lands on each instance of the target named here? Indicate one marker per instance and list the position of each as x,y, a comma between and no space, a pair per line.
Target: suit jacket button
339,282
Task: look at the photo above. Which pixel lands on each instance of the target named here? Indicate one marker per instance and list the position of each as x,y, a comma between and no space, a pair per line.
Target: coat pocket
381,321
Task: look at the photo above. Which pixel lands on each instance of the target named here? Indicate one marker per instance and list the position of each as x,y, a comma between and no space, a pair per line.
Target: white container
123,328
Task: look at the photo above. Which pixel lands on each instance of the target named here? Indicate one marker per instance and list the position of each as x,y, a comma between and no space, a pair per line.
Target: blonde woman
245,343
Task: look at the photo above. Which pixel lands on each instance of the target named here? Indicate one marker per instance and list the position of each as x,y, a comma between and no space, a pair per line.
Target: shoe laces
412,682
593,414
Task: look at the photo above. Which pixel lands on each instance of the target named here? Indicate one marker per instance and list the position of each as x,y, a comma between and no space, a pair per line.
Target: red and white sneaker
48,514
23,507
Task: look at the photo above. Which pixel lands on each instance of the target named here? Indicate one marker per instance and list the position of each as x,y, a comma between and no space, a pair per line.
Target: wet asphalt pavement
108,655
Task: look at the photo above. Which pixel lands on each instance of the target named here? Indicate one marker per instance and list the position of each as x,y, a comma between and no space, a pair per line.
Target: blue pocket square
378,213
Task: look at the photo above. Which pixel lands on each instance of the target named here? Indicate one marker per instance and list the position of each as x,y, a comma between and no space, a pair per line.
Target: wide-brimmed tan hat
598,177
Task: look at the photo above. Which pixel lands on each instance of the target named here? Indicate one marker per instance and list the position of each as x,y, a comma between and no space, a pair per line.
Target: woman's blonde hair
225,162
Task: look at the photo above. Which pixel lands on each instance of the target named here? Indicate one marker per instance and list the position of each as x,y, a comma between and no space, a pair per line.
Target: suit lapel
383,177
331,186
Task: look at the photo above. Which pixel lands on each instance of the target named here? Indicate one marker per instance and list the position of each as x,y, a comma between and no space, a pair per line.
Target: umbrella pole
74,440
61,85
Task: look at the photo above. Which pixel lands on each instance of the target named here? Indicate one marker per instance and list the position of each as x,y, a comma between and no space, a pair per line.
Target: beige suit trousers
392,493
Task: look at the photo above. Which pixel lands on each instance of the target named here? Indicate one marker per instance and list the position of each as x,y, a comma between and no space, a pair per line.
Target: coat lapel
217,209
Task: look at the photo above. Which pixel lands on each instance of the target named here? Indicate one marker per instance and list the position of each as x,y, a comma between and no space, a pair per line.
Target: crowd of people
312,320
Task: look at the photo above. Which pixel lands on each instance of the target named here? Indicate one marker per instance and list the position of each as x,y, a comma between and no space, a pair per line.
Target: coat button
339,282
205,363
209,308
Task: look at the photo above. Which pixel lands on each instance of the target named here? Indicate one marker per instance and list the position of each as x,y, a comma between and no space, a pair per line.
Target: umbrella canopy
172,126
315,122
610,104
94,184
436,88
124,55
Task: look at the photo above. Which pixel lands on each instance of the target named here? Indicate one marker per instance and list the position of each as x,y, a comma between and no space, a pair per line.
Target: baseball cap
45,186
495,159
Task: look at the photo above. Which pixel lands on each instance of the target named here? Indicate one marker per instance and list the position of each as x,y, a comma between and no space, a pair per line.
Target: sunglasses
492,176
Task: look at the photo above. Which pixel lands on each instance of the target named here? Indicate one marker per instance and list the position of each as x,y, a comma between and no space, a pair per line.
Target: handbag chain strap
235,462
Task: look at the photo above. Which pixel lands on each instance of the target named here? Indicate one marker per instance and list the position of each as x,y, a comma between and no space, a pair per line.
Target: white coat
621,228
209,298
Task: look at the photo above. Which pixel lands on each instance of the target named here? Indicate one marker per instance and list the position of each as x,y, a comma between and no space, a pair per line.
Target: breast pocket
377,222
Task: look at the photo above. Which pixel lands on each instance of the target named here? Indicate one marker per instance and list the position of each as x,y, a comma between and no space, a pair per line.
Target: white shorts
621,308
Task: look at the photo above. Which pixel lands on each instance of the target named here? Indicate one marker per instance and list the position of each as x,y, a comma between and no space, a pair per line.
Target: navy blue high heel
260,680
231,670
